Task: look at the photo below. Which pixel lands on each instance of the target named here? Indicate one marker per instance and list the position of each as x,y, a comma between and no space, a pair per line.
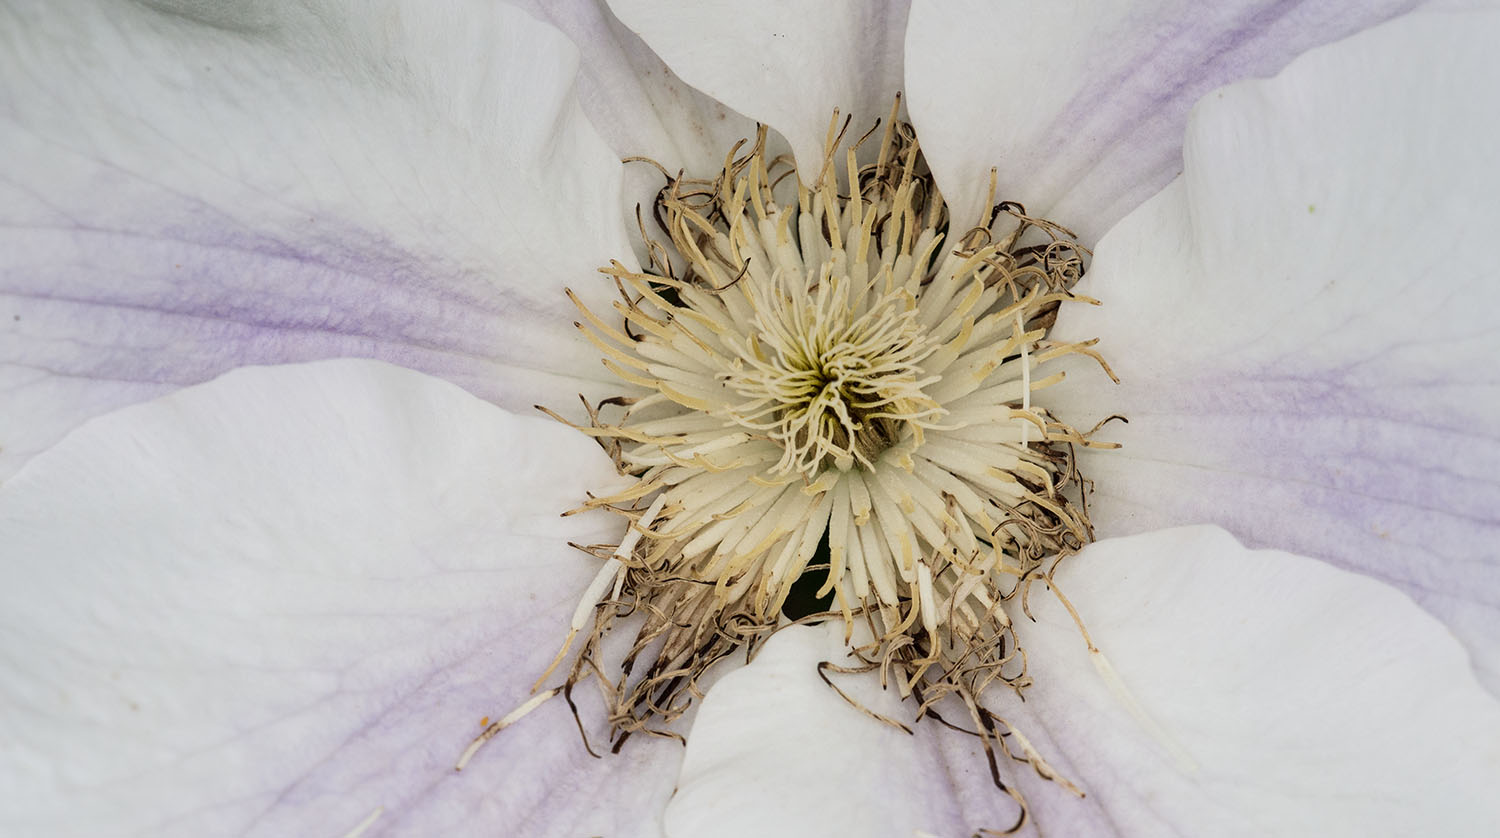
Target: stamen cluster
830,382
831,377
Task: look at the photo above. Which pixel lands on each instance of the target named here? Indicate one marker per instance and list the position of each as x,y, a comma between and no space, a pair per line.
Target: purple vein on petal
184,199
1084,113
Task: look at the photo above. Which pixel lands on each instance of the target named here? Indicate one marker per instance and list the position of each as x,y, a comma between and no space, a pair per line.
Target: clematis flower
283,601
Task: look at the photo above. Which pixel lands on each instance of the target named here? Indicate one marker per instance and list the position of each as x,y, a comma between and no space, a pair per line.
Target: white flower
280,602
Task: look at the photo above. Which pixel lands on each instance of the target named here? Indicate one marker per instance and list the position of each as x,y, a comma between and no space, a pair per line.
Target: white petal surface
278,602
785,63
635,101
1312,701
192,190
775,751
1304,324
1080,105
1308,701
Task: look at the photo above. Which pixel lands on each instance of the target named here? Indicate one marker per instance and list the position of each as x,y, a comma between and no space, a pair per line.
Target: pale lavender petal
775,751
1280,697
282,601
1080,105
785,63
639,106
1277,696
185,193
1304,324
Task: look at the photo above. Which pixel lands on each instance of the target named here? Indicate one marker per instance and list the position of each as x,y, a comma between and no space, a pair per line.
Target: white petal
633,98
639,106
1081,106
1298,700
1304,324
781,62
278,602
1309,700
775,751
187,193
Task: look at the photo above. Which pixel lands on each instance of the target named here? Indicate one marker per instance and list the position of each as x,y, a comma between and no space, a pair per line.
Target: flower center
819,364
830,367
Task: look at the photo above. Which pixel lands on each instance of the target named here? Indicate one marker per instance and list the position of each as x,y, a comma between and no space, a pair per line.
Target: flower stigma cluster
829,380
